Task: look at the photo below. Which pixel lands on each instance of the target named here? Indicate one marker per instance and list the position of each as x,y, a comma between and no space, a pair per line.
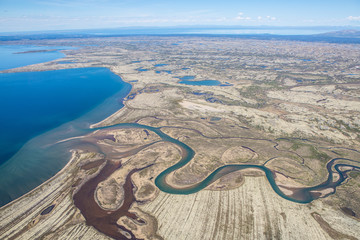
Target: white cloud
266,19
353,18
241,17
270,18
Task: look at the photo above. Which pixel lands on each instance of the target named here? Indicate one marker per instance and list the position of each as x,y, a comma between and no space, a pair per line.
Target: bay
13,56
41,108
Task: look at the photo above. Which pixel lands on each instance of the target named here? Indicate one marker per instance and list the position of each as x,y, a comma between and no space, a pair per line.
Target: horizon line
207,26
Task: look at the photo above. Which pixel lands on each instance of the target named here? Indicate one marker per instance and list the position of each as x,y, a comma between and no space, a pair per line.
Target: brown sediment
106,137
348,211
93,164
78,181
331,231
103,220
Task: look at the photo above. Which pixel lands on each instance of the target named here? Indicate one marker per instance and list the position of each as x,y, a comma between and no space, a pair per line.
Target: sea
40,108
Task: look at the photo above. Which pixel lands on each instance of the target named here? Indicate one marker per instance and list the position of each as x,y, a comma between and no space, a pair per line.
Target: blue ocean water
38,109
13,56
34,102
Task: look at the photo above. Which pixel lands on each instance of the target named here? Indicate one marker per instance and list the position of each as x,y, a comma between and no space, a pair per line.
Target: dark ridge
344,33
348,211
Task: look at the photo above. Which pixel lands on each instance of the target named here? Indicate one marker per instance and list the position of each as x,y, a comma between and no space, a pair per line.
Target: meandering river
37,156
300,195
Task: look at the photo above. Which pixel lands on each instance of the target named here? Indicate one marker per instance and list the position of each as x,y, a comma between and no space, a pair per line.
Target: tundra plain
289,106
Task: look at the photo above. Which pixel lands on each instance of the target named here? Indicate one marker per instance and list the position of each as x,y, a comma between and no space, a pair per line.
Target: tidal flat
271,109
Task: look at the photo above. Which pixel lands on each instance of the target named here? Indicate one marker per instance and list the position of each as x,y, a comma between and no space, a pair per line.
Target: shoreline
113,115
77,126
53,49
71,160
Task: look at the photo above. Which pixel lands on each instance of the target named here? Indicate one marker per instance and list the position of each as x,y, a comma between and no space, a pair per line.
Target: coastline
25,57
74,158
61,135
116,114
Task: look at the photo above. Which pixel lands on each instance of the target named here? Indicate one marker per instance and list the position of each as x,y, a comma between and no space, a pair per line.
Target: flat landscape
219,138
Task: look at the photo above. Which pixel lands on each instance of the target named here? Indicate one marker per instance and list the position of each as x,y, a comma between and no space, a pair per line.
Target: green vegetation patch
316,154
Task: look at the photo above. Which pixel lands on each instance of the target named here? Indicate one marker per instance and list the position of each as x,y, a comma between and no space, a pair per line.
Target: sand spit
22,218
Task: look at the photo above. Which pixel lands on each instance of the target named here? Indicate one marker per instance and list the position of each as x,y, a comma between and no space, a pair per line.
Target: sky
39,15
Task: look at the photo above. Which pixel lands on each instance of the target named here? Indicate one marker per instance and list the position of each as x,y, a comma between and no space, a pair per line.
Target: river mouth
33,126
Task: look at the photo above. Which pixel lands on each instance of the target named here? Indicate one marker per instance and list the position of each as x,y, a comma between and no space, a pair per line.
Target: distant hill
342,34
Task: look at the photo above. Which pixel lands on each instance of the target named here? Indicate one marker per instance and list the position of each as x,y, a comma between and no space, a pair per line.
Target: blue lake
165,71
189,80
160,65
201,83
142,69
186,78
22,55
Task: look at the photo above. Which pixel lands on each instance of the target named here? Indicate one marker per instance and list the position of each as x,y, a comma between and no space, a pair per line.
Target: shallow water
13,56
42,108
35,102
